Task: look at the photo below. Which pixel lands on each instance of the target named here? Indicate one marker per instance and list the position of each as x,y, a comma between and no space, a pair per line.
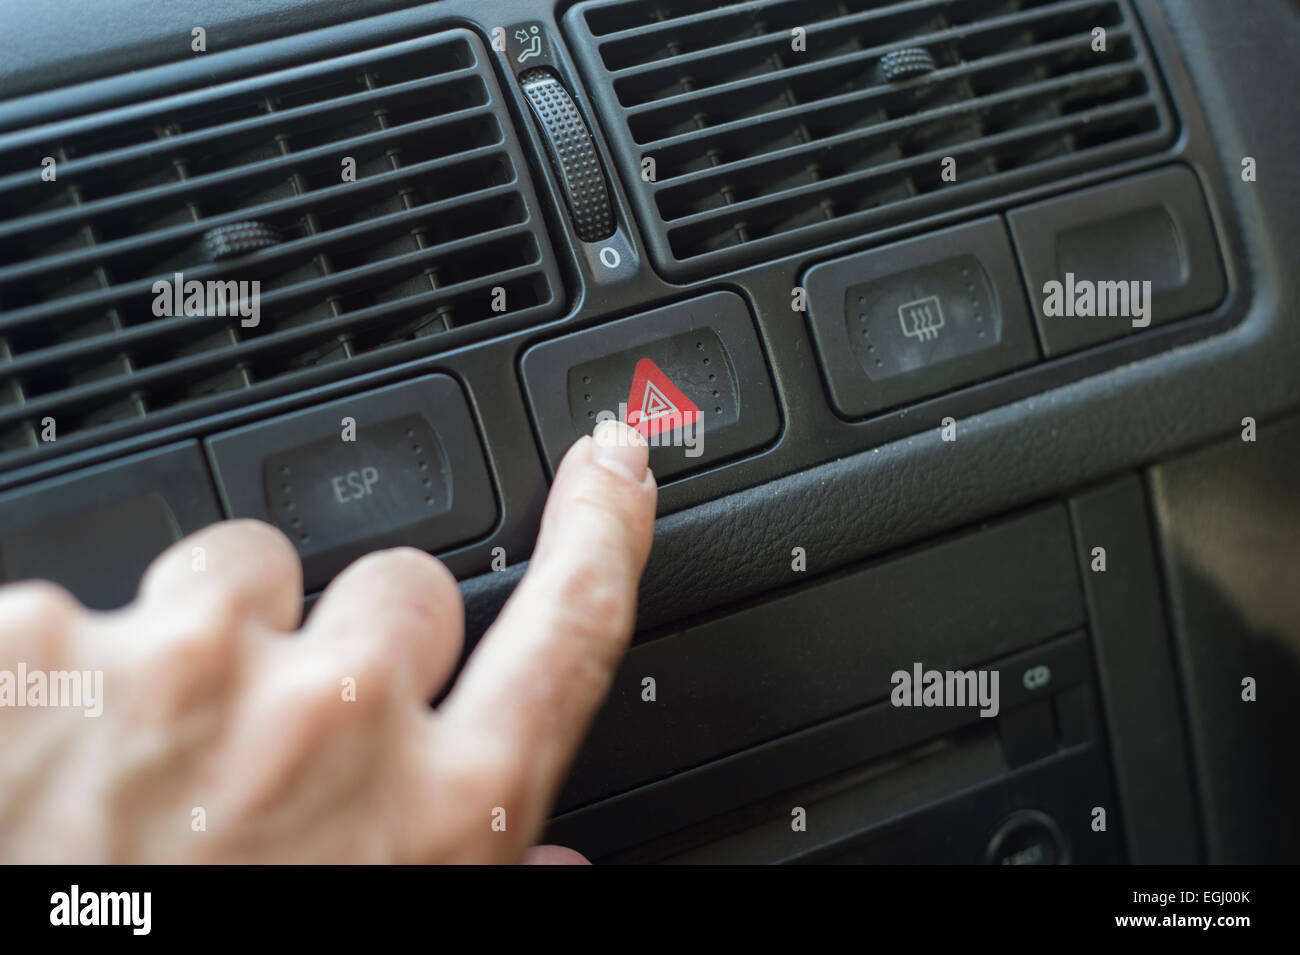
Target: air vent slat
304,205
720,138
774,39
195,188
180,144
155,333
748,129
390,177
817,80
798,197
202,106
835,40
611,20
847,147
94,393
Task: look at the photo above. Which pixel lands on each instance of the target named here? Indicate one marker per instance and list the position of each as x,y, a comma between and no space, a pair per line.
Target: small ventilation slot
400,203
772,126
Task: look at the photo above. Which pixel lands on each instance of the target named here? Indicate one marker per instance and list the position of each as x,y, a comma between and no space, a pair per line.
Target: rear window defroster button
918,318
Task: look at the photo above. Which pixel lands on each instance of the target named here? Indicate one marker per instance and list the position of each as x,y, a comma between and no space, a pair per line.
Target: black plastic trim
1138,676
1087,415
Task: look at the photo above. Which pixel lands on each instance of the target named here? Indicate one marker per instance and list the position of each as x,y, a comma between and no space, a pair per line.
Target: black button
918,318
1046,669
1027,837
690,377
95,531
1096,244
1028,732
1076,720
402,465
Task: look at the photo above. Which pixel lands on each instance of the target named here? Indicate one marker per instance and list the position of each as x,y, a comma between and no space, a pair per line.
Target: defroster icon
921,318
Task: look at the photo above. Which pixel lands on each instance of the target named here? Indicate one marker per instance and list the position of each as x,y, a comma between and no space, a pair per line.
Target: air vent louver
404,259
772,126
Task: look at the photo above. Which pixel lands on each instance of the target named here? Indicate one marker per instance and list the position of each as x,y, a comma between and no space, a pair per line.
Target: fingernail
620,449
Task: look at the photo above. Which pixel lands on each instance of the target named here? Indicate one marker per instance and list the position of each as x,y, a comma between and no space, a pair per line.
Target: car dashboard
963,332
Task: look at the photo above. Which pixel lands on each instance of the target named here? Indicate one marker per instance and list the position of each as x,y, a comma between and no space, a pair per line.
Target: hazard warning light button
690,377
655,405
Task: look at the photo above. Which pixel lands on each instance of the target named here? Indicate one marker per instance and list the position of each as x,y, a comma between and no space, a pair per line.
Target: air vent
773,126
435,241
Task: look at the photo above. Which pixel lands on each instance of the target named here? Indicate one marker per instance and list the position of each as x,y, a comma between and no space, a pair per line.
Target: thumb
541,672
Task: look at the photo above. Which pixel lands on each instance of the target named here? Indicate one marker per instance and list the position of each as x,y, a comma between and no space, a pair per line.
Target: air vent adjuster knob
239,238
904,64
572,154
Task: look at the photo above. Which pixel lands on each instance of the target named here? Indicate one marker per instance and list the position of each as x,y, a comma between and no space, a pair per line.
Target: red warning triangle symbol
655,404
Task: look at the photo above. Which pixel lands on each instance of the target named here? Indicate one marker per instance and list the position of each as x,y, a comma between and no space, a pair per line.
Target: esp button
397,466
690,377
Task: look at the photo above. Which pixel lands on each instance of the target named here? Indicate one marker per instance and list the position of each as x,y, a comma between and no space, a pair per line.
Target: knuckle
441,583
197,651
372,669
310,711
410,556
321,702
38,604
398,560
590,642
204,639
411,592
606,496
227,611
357,684
215,628
256,535
421,573
584,671
38,619
597,605
249,559
622,518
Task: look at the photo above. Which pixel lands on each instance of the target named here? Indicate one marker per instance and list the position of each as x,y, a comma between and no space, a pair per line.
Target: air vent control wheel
572,154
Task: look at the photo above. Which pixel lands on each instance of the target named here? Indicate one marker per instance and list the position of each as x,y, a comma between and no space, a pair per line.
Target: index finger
541,672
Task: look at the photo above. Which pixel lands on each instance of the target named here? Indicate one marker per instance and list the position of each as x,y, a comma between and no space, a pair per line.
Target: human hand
227,737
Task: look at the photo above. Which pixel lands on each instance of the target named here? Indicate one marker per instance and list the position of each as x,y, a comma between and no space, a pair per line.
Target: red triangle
655,404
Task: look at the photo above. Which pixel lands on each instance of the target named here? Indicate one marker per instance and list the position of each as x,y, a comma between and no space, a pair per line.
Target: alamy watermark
176,297
660,427
1084,298
921,687
73,689
129,909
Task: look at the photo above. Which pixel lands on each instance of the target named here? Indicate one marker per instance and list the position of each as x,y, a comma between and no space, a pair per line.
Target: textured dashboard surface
67,41
867,502
1230,531
907,484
